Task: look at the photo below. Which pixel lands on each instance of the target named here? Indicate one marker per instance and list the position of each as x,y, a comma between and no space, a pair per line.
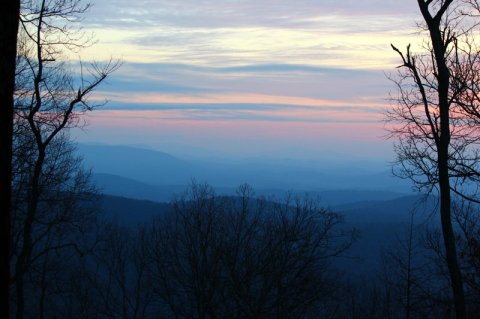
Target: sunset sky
228,78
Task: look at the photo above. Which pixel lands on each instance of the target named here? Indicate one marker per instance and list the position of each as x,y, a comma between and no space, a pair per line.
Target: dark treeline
211,256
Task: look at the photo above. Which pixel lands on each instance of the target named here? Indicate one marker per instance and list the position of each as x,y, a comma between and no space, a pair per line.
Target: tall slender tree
8,50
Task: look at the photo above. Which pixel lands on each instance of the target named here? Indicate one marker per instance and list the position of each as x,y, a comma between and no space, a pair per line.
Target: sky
300,79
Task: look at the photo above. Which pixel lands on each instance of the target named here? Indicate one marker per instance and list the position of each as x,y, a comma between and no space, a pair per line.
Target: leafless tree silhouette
217,257
435,119
49,99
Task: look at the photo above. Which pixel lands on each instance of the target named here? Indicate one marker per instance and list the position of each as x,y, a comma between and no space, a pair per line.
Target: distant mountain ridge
140,164
390,210
395,211
161,169
126,187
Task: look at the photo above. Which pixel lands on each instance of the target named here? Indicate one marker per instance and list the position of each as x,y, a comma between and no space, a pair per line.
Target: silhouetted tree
48,100
64,220
218,257
434,119
9,17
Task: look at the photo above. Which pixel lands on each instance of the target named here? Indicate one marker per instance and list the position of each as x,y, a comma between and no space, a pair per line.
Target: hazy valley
139,184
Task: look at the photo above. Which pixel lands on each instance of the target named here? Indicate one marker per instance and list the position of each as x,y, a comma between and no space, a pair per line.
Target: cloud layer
302,67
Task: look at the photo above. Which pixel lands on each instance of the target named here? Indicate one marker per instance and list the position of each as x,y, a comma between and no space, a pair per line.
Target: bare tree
49,99
9,17
434,119
218,257
64,220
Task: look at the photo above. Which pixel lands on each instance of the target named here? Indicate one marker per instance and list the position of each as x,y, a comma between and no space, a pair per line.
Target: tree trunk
23,261
443,146
9,16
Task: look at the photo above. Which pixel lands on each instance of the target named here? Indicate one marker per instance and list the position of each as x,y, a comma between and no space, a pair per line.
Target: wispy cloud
254,83
206,32
200,71
331,112
220,13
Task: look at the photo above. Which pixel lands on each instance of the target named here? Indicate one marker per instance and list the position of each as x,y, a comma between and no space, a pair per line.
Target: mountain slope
393,210
157,168
144,165
130,212
127,187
